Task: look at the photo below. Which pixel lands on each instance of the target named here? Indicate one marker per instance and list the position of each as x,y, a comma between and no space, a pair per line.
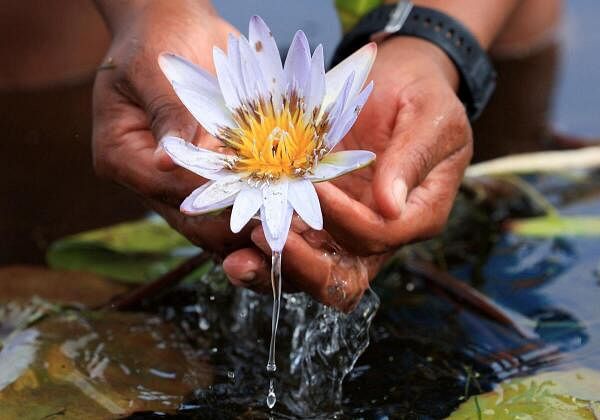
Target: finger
248,268
364,232
433,135
334,280
352,224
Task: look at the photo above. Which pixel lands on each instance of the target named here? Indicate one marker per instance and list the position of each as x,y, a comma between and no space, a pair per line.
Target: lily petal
267,55
277,242
359,62
316,88
206,163
336,109
234,65
213,196
229,89
303,198
340,163
344,123
274,205
246,204
251,72
297,63
198,91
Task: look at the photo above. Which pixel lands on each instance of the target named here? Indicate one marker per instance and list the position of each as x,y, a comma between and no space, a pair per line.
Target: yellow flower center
271,143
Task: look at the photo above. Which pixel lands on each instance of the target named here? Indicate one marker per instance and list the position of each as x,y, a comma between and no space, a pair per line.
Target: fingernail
400,192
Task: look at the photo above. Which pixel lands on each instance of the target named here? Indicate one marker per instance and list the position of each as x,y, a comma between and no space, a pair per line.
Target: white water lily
279,123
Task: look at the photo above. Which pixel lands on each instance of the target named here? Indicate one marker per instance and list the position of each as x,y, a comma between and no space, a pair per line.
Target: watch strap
477,74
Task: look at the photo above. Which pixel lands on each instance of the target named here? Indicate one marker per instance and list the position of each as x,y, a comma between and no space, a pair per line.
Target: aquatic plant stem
276,285
167,280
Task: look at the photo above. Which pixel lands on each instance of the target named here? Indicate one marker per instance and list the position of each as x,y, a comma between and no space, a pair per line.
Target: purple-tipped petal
226,80
251,72
234,64
360,63
316,84
198,91
344,122
297,63
337,164
267,54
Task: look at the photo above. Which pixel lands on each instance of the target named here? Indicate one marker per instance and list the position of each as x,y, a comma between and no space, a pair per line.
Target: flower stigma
271,143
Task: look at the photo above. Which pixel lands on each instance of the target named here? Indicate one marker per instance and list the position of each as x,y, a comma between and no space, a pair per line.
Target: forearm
485,19
117,13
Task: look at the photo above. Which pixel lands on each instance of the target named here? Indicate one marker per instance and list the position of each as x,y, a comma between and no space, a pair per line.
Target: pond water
414,347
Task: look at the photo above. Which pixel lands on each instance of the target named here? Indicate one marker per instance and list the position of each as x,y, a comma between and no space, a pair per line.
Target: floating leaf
553,226
551,395
133,252
97,365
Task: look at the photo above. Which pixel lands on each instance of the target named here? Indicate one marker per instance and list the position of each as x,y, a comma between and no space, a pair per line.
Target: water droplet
203,324
271,398
231,374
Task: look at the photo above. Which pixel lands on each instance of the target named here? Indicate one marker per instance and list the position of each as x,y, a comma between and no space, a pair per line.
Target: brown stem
170,279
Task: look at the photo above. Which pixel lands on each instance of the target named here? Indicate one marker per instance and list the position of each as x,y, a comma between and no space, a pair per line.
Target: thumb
403,166
166,114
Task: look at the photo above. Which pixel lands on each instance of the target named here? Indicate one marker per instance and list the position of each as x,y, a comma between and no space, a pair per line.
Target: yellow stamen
270,144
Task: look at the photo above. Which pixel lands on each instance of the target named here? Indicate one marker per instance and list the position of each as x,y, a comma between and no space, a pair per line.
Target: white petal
197,90
277,242
178,69
359,62
213,196
247,203
344,122
297,63
340,163
229,89
206,163
303,198
234,65
274,205
316,88
267,55
251,72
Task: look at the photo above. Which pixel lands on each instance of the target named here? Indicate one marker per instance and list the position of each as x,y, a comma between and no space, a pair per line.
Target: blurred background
548,98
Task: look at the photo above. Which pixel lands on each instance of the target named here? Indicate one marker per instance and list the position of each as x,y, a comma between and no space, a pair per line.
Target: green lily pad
561,395
134,252
553,226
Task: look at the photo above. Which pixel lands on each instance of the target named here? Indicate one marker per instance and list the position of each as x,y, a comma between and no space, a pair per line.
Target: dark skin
413,121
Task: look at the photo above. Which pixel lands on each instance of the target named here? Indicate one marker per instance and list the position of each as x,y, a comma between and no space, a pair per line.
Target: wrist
423,58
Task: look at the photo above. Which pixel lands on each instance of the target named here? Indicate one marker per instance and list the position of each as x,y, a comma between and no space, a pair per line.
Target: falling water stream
276,285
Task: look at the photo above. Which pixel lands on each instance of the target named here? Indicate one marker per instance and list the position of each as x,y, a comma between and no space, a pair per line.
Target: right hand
135,106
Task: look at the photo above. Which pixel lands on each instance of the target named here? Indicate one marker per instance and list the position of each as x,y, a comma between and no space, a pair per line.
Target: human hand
419,130
135,106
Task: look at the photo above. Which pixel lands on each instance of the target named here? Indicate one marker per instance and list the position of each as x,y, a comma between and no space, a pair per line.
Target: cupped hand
135,106
419,130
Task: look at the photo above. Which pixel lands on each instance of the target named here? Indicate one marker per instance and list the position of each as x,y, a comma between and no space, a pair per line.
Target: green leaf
552,226
571,394
134,252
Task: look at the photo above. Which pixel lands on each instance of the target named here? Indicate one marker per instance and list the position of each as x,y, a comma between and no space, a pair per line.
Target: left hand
419,130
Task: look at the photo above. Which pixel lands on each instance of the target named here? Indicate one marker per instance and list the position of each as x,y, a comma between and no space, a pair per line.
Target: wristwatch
477,74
